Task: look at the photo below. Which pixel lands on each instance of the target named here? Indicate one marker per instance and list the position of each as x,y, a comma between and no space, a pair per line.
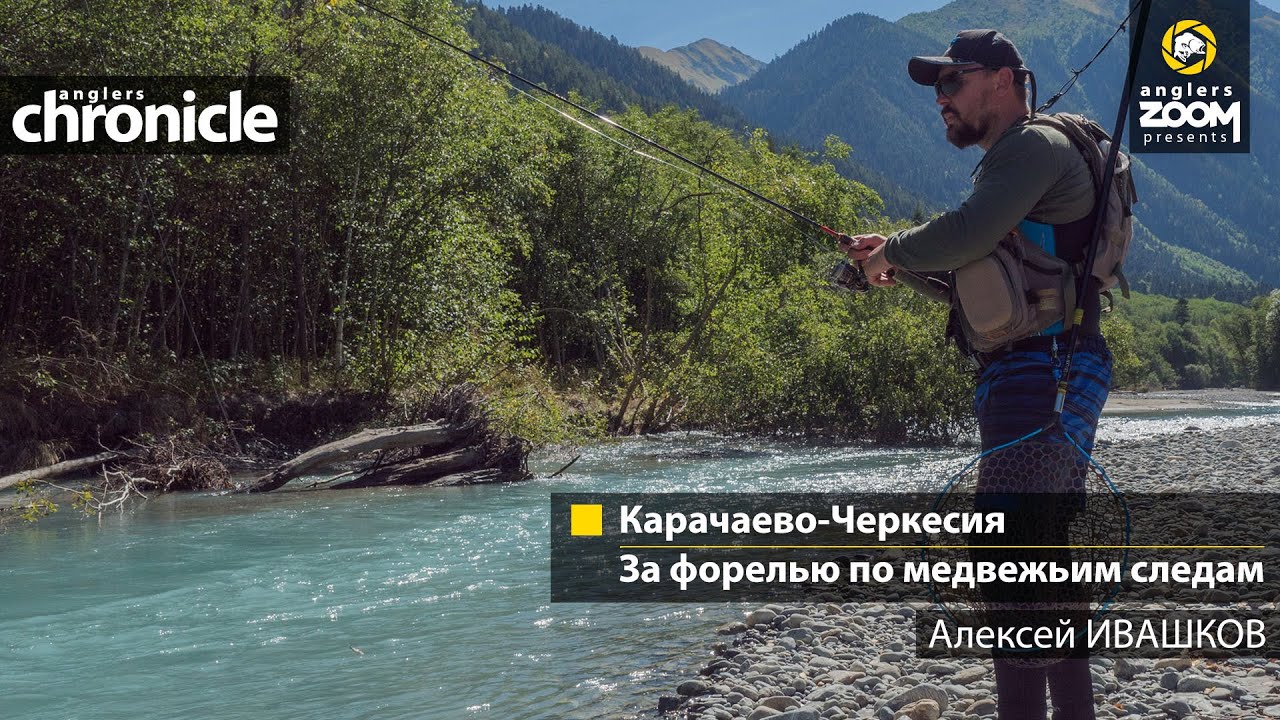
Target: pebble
780,703
1221,694
692,687
969,675
801,635
797,715
919,692
1125,668
985,707
922,710
1194,683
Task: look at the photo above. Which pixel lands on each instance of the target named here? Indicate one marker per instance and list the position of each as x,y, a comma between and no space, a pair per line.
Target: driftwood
429,435
418,472
566,465
458,446
65,467
436,454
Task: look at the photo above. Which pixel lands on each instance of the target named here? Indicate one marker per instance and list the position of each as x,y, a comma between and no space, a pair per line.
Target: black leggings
1020,690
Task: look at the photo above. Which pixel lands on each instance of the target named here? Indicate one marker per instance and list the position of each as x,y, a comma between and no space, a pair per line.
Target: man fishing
1034,179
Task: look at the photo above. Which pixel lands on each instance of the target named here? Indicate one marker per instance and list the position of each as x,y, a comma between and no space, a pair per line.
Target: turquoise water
248,607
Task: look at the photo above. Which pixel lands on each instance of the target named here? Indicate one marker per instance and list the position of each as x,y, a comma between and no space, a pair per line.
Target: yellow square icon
586,520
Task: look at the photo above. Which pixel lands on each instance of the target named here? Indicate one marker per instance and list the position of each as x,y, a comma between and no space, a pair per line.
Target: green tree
1267,334
1182,312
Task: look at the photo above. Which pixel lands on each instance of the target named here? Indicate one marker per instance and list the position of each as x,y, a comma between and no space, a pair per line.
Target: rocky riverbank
830,661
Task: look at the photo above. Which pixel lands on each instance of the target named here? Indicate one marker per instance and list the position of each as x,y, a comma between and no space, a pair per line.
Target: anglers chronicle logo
1189,47
179,114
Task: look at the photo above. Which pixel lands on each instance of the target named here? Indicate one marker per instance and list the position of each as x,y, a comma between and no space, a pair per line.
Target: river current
395,603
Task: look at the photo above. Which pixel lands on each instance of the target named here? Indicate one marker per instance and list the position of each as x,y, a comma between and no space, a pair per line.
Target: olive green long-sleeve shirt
1031,172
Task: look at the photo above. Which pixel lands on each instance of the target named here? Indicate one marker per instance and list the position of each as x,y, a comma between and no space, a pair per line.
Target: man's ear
1004,80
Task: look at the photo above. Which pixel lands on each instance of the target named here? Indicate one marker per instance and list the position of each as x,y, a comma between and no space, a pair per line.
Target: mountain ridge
553,50
706,63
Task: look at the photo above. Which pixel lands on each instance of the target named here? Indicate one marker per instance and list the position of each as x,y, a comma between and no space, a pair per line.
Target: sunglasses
952,83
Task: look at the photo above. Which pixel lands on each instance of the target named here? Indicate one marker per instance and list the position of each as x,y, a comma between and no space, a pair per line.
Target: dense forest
428,227
431,227
1197,343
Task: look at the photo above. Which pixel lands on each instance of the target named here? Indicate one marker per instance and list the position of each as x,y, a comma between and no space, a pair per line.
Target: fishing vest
1028,285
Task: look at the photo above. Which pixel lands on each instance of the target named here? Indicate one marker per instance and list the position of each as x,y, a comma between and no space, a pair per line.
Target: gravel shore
1129,402
832,662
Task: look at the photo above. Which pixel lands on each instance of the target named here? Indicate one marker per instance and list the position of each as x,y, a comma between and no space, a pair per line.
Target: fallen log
428,435
66,467
417,472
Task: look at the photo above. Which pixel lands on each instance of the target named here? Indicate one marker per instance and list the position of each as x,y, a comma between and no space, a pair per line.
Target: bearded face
966,110
963,132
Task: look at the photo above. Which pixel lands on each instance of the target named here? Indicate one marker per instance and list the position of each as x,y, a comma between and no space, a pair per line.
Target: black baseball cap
984,47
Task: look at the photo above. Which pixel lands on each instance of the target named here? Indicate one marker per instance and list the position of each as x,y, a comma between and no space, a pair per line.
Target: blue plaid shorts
1016,393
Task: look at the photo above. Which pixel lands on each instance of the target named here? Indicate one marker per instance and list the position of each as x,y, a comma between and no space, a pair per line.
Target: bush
1196,376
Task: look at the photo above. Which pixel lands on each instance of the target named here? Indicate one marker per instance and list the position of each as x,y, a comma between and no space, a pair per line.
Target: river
205,606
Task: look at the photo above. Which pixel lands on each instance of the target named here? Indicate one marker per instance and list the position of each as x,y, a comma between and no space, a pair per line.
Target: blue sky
760,28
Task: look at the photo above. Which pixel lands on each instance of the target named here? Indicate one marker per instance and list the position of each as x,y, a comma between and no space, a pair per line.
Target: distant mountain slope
850,79
551,49
706,63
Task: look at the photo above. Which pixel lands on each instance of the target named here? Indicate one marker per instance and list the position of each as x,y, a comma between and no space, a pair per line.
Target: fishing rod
1143,8
847,275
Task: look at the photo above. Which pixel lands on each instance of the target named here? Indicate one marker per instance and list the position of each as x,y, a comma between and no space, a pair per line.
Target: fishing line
846,274
1075,74
605,135
1047,459
587,126
578,121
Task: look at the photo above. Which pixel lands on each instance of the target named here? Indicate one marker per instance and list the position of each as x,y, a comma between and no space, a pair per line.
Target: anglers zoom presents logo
1189,47
154,115
1191,92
